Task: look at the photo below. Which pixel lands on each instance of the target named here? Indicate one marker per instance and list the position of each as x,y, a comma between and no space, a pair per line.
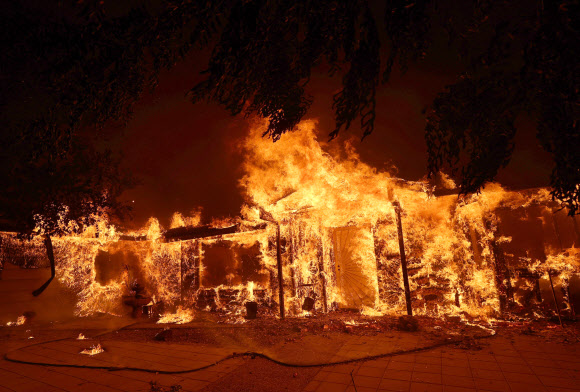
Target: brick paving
522,364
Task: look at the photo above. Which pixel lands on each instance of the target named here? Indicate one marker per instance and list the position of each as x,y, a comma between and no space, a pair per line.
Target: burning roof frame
324,259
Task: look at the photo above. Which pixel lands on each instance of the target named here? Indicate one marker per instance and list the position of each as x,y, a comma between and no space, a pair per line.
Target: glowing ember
181,316
81,337
97,349
19,321
355,323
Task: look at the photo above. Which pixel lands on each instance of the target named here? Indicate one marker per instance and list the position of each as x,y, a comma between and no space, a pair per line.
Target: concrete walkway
522,364
174,358
501,364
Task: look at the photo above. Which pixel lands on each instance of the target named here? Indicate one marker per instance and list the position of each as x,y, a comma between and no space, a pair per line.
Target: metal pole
397,206
280,278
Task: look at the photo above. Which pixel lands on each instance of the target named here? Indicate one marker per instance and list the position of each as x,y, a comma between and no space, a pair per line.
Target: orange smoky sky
188,155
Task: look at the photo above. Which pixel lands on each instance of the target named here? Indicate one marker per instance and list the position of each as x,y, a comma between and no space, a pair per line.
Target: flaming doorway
355,267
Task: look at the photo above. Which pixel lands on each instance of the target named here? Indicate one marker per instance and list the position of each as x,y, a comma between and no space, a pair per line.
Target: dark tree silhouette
52,184
88,62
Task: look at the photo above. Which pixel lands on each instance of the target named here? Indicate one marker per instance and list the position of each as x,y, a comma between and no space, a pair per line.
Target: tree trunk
50,254
403,258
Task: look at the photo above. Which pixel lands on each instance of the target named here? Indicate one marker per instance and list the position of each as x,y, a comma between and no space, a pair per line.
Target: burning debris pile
94,350
181,316
19,321
324,232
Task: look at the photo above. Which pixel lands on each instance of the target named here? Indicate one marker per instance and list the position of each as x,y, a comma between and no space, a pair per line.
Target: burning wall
477,255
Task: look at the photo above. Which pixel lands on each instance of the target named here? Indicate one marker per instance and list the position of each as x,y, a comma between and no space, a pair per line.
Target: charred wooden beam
397,206
280,277
291,255
181,273
565,284
474,246
197,266
191,232
537,290
379,245
499,267
555,299
321,275
128,237
501,270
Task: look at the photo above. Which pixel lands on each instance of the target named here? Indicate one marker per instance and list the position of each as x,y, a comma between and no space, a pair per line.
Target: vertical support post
500,269
280,277
291,253
500,275
197,266
555,300
565,284
397,206
569,299
321,273
474,246
181,271
537,290
378,247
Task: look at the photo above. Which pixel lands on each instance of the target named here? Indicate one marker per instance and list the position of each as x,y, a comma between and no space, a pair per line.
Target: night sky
186,155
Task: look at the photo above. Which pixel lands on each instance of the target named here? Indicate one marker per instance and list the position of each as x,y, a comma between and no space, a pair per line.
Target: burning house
322,232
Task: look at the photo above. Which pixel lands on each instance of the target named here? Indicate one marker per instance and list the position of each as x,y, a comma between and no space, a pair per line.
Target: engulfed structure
483,256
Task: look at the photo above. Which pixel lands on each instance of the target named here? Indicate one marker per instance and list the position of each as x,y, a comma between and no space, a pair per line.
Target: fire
94,350
179,220
19,321
251,291
328,220
81,337
181,316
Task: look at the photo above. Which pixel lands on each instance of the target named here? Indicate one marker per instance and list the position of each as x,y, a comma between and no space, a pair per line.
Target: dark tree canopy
88,62
50,178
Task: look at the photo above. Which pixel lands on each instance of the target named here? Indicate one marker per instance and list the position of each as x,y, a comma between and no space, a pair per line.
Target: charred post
565,283
397,206
181,272
499,267
321,275
280,277
378,248
291,256
555,299
502,278
197,266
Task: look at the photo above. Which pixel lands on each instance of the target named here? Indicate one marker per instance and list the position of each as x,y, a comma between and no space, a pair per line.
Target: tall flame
338,248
